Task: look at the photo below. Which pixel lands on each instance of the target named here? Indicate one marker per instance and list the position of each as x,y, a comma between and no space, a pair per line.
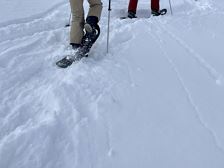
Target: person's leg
93,17
132,7
76,32
155,5
95,9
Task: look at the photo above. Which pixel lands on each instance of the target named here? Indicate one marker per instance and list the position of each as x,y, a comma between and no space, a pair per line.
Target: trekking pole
171,10
69,20
108,26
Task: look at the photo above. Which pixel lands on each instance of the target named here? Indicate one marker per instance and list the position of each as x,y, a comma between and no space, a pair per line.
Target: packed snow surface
155,100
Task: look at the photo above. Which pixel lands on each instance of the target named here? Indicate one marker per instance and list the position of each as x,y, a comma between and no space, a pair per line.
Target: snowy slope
156,100
17,11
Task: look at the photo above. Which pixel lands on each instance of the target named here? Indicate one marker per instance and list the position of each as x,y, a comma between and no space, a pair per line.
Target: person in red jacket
155,9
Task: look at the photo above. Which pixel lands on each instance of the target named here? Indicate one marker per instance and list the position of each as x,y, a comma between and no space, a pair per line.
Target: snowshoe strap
163,11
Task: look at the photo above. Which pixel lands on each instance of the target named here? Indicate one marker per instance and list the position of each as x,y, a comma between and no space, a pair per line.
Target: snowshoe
65,62
90,37
160,12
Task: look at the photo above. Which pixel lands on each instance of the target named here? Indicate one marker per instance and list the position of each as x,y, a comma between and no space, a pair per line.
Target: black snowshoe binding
160,12
132,15
92,33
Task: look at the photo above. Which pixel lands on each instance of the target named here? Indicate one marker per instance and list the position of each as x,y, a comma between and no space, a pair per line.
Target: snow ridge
33,17
52,20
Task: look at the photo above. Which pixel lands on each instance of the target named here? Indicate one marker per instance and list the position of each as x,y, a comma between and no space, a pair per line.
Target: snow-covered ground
156,100
18,11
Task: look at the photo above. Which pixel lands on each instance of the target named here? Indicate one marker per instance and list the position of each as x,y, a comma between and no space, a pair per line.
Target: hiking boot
160,12
131,14
91,24
92,29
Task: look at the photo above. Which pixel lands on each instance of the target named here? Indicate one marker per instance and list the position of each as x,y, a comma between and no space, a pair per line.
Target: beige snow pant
76,32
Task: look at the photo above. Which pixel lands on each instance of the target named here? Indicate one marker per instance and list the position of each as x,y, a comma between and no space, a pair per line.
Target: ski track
203,123
211,70
202,62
